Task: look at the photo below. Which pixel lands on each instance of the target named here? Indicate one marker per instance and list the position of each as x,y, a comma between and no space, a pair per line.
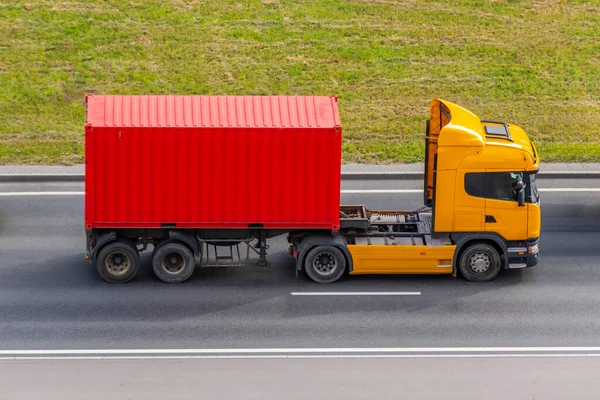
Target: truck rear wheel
173,262
325,264
480,262
118,262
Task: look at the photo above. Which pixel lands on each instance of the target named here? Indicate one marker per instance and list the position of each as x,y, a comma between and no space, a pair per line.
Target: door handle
489,219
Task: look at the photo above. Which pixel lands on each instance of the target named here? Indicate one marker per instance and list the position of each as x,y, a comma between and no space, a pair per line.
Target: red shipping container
212,162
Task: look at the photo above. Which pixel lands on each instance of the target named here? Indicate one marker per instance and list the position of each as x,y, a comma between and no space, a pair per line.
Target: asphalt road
50,298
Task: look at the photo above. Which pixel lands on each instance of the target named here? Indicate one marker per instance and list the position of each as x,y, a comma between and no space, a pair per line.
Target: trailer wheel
173,262
325,264
118,262
480,262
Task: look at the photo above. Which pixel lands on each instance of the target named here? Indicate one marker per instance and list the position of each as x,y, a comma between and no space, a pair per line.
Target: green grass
532,62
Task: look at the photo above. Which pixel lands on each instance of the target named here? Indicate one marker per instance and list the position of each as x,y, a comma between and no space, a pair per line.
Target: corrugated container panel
216,111
212,162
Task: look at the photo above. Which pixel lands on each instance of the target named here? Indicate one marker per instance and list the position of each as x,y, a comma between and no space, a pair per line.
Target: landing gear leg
262,253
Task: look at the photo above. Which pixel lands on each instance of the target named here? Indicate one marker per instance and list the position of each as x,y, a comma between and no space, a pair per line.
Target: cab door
469,205
502,212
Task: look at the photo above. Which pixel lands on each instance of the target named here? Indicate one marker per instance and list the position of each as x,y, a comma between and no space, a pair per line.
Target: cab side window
493,185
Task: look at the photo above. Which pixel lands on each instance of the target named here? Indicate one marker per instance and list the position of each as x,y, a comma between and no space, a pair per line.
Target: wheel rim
480,262
118,263
325,263
173,263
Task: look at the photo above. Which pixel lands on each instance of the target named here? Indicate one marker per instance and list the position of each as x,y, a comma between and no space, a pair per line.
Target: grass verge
532,62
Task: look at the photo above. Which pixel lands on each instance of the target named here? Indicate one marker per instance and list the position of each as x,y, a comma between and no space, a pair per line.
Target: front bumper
525,255
532,259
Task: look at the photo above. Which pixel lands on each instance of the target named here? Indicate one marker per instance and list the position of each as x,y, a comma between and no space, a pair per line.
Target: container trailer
207,180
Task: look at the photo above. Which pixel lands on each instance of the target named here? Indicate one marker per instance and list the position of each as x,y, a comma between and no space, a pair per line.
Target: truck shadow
266,292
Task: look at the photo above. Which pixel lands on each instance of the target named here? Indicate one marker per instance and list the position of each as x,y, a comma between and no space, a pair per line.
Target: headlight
533,249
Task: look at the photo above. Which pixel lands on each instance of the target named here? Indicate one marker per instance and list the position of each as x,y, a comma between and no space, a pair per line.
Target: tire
480,263
118,262
325,264
173,262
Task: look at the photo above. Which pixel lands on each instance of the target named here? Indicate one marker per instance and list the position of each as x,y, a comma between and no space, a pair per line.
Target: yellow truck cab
482,209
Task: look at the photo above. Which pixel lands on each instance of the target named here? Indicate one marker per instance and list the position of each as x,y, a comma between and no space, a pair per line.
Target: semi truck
209,180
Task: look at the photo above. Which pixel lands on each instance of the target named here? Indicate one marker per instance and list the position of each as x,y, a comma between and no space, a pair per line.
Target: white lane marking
42,193
355,293
569,189
401,191
369,191
313,350
345,191
292,356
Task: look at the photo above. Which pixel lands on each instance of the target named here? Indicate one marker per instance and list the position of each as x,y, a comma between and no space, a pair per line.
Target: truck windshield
533,194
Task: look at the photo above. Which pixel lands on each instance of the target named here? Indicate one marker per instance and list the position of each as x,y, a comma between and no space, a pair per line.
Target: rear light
533,249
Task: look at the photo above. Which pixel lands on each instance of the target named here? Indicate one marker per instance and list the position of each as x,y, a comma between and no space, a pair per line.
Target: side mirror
521,193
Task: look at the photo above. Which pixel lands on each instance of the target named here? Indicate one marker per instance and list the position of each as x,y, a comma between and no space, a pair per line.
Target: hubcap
173,263
325,264
480,262
118,263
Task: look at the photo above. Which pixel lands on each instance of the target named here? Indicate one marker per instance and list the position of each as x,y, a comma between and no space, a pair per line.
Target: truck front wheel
480,262
325,264
173,262
118,262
